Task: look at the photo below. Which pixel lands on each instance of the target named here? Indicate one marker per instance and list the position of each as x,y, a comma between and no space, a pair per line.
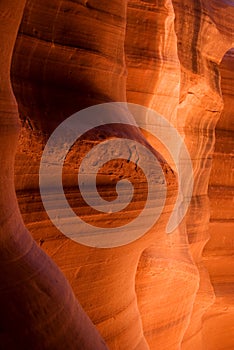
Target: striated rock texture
218,254
158,292
38,307
179,77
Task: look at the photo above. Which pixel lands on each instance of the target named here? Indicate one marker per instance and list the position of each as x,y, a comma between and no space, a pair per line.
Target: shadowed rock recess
162,291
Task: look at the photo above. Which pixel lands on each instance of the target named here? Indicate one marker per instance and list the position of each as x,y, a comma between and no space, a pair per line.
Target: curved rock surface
38,307
161,291
218,254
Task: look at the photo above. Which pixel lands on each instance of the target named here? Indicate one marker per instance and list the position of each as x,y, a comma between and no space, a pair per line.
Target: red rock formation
200,105
154,80
154,292
218,254
97,77
38,308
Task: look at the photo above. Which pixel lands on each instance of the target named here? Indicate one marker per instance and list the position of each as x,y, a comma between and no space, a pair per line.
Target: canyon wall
218,253
158,292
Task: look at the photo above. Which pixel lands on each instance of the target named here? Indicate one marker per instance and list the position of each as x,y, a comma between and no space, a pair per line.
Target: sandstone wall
154,293
218,254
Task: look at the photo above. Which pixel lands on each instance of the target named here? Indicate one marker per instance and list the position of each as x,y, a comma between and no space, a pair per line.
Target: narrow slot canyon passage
157,290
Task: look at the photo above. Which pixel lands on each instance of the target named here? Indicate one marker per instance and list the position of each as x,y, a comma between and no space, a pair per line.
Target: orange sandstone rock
158,292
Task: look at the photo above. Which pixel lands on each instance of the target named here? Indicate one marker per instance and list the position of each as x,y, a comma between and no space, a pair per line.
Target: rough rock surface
161,291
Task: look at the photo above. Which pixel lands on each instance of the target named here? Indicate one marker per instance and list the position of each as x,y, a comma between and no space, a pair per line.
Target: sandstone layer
161,291
218,254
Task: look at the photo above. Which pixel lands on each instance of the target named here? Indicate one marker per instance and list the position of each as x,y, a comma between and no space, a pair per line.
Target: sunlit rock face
161,291
218,253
